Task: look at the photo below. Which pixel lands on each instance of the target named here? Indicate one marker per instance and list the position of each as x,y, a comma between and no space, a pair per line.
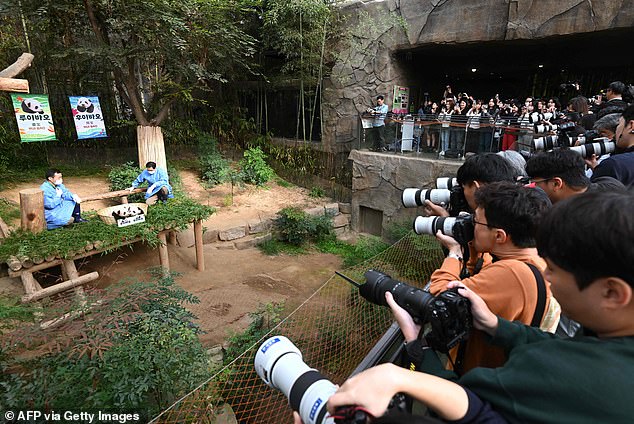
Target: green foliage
9,210
65,242
254,168
13,312
283,183
121,177
262,321
276,247
317,192
297,227
214,169
365,248
137,349
396,230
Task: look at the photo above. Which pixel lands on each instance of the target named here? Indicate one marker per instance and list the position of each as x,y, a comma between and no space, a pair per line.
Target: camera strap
540,308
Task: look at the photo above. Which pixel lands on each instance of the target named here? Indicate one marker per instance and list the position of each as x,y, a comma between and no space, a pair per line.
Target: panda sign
33,113
88,117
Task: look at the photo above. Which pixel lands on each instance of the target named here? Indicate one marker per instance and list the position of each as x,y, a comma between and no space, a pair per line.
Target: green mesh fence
334,329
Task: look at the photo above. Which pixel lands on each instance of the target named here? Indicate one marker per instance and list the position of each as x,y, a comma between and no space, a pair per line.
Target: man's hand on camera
483,318
592,161
405,321
372,389
450,243
433,209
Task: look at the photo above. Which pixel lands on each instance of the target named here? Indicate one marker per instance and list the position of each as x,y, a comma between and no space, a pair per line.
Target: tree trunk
32,210
151,146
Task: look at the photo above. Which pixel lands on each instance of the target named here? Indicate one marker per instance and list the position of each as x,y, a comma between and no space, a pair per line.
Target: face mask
151,172
58,182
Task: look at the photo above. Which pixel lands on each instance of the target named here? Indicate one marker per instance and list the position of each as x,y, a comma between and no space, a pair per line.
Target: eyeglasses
539,181
482,223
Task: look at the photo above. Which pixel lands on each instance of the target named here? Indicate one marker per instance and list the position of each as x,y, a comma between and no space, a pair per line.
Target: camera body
449,313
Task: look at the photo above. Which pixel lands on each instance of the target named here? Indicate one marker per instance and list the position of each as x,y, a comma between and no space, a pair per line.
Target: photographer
561,174
378,124
620,166
605,127
475,172
546,379
506,218
615,103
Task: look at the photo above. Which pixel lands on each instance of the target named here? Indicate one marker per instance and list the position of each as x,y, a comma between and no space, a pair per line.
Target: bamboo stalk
58,288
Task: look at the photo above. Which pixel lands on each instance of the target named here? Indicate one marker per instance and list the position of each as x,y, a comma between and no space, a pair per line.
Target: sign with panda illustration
33,113
88,117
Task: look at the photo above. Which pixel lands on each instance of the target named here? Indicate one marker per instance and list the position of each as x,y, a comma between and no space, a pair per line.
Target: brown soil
235,282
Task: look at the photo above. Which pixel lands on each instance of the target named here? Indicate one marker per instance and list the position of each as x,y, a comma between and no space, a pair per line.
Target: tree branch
20,65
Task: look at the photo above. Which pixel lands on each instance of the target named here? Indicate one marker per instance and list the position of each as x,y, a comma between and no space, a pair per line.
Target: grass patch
9,211
276,247
283,183
317,192
365,248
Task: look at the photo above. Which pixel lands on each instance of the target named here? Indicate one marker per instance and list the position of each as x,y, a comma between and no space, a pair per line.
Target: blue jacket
155,182
58,205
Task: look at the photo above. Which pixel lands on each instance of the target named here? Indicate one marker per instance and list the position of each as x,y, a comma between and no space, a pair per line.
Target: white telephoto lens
446,182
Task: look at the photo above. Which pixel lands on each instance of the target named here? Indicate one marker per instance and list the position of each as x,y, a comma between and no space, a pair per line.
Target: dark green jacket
553,380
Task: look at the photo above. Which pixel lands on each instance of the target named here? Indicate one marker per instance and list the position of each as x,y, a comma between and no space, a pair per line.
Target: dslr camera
460,227
449,313
448,194
601,146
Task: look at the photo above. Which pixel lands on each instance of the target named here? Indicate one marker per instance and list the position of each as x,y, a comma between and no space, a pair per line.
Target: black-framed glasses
482,223
532,181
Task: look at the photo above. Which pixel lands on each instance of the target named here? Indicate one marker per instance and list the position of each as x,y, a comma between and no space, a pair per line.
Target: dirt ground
235,282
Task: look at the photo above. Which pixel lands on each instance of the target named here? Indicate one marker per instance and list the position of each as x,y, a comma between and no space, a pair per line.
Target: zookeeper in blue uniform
61,207
159,187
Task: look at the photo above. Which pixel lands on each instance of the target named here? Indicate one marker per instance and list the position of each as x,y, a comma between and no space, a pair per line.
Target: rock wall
365,68
378,180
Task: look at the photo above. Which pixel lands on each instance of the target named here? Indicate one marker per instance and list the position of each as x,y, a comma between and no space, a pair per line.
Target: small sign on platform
124,222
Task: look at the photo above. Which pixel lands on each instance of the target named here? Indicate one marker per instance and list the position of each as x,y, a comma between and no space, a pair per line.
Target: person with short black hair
159,187
61,207
620,166
586,241
615,103
561,174
505,223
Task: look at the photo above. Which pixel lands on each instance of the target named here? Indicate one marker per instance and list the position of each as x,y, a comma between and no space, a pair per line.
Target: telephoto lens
544,128
548,142
446,183
413,197
278,362
460,227
412,299
537,117
599,148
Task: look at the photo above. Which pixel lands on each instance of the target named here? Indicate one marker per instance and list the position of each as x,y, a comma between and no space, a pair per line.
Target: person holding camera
615,103
378,124
505,222
620,166
561,174
547,379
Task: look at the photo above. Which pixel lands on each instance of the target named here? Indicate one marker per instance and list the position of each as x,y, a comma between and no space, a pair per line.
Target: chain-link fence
335,328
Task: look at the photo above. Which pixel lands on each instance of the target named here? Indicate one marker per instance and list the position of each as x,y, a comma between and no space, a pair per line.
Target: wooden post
163,257
151,146
198,238
29,282
15,85
32,210
60,287
171,238
68,266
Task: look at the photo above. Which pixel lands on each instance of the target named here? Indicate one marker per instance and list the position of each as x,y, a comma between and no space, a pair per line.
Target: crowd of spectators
458,125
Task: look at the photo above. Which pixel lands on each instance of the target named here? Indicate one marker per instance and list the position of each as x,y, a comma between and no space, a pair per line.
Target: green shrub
137,349
317,192
121,177
214,169
297,227
365,248
254,168
276,247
